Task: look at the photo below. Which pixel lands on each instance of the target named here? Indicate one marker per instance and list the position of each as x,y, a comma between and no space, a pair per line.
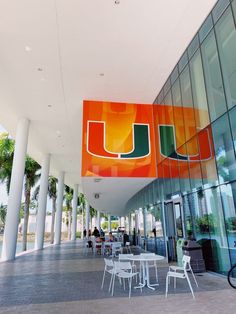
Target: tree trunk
26,219
69,224
53,219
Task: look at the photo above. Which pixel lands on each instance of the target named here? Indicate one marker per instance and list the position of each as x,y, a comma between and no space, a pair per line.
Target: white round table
144,259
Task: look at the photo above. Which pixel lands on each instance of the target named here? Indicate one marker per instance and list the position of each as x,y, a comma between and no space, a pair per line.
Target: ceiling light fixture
117,2
40,69
28,48
49,106
101,74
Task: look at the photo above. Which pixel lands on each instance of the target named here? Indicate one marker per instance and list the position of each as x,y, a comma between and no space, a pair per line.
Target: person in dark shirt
95,232
84,233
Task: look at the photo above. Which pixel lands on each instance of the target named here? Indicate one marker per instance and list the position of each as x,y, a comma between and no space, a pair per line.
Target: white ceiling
52,55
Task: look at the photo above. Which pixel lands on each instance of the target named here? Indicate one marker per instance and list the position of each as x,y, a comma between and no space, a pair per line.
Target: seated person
110,237
98,247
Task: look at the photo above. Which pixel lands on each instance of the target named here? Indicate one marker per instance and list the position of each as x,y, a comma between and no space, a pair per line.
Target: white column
98,220
130,227
42,205
87,208
16,186
145,221
60,192
74,212
109,223
119,221
136,224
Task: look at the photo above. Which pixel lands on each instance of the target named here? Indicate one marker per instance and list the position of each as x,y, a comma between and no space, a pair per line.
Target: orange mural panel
138,140
118,140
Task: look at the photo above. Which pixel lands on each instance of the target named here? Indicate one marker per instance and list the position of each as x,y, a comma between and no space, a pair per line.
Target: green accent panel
167,140
141,142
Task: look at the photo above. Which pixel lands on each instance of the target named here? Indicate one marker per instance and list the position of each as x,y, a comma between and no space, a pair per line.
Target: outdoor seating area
65,279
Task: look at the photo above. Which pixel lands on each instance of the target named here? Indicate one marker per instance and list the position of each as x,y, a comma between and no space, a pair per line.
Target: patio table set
126,267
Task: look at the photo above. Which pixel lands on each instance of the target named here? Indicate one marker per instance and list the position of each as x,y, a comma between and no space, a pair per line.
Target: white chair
116,248
87,245
183,274
98,248
123,270
125,258
109,268
152,264
185,259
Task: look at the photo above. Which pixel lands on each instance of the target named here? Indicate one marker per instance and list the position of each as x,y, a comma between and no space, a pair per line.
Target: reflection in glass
199,92
224,151
214,83
232,116
228,195
219,244
226,36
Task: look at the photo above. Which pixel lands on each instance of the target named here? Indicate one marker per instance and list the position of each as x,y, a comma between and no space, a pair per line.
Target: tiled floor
61,279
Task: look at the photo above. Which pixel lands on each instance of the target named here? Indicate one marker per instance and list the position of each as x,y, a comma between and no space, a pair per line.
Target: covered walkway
61,279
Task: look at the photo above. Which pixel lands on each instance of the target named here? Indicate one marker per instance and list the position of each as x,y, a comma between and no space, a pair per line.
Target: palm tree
68,198
6,159
52,193
31,177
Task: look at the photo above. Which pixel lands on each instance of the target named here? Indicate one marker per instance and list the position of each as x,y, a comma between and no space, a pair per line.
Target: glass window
183,61
207,158
183,171
214,83
219,9
193,46
224,151
206,27
234,8
187,100
226,36
194,165
168,99
232,116
185,85
199,92
219,243
228,196
176,94
174,75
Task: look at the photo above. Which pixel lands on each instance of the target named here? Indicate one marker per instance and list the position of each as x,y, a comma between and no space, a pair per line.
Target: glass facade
204,80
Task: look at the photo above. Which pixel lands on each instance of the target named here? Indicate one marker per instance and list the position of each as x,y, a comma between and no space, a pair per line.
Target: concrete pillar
130,225
74,212
87,214
109,223
42,205
98,220
60,193
136,223
145,221
16,186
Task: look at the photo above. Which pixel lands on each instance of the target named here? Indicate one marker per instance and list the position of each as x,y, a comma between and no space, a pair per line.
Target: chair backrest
186,261
116,245
109,262
122,266
124,257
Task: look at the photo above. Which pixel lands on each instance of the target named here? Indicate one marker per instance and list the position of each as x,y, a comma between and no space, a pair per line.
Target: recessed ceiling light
40,69
101,74
49,106
42,79
28,48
